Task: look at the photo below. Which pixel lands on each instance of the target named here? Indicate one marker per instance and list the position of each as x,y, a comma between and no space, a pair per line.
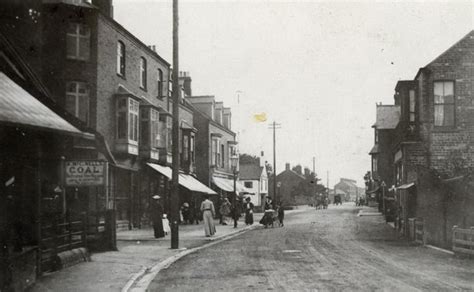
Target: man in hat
156,214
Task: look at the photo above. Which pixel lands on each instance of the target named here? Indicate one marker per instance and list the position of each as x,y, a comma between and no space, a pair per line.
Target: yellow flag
261,117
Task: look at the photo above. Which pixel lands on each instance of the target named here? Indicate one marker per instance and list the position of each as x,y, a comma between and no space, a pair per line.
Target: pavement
138,252
323,250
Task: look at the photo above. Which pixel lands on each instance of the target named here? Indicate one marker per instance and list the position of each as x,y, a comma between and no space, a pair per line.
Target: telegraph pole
274,126
175,135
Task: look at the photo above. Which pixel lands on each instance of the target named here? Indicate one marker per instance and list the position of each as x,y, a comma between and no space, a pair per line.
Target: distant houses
424,160
255,180
348,189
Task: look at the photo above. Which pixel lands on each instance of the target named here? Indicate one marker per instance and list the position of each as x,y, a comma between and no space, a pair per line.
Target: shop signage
85,173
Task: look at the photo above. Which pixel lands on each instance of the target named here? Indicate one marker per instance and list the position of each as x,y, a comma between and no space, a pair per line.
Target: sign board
85,173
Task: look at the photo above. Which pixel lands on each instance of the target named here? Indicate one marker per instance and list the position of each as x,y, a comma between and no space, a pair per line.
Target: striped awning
185,180
228,185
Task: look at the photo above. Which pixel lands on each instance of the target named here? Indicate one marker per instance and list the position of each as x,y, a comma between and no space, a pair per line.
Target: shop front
34,223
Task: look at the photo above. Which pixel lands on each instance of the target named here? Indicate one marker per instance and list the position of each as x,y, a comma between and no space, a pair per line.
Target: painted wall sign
85,173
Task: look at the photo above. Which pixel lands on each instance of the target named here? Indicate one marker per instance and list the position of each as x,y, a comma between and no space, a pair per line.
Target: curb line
439,249
141,280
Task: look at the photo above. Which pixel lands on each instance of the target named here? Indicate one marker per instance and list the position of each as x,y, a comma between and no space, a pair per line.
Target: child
281,215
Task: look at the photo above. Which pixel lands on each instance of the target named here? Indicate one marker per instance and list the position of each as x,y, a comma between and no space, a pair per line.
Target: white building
254,178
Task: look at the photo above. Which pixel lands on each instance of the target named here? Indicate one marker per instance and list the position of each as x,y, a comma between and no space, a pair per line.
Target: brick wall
443,205
108,80
457,64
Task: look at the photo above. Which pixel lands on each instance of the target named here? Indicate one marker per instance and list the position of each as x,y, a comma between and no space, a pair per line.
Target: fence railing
58,235
463,240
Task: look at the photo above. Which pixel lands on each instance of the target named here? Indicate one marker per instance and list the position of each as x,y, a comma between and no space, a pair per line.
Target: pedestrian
208,213
236,211
225,211
267,218
281,214
248,207
185,213
156,212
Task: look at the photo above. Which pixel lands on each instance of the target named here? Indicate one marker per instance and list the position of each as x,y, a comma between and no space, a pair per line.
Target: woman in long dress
225,210
208,213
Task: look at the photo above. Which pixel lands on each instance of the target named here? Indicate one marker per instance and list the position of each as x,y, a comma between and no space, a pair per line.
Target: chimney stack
105,6
287,166
185,82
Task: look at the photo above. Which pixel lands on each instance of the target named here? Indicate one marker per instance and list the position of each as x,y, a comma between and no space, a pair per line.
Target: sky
318,68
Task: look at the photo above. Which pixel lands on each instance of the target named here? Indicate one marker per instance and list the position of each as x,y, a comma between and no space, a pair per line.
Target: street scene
182,145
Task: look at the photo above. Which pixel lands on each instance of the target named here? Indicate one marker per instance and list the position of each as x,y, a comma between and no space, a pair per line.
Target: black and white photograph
236,145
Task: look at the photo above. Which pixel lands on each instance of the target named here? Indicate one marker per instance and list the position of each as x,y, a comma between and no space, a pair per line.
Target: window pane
144,135
448,88
135,130
438,115
84,108
84,48
72,28
438,92
412,100
121,125
71,46
130,126
448,115
71,104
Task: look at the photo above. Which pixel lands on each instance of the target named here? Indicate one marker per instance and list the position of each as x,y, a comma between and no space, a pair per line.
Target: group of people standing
227,213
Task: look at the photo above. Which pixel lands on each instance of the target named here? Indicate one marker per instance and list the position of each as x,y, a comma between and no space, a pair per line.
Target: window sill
121,76
70,58
143,89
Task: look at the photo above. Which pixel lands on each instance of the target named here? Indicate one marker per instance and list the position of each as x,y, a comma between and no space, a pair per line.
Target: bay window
149,132
191,148
127,124
185,147
443,103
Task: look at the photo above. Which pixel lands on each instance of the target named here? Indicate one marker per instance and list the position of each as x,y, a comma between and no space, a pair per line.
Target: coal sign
85,173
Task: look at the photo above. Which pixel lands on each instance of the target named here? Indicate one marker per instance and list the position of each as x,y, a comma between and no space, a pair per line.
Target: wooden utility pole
274,126
175,134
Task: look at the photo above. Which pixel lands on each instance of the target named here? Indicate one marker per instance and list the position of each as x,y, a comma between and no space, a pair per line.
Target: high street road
330,249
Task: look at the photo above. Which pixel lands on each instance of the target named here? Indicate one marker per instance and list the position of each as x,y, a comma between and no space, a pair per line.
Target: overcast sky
316,67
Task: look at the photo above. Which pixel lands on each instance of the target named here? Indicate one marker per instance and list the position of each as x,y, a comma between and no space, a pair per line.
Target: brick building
349,187
431,148
287,183
216,144
101,73
387,119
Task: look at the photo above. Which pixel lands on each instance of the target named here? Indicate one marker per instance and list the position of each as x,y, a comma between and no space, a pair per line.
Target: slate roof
388,117
250,172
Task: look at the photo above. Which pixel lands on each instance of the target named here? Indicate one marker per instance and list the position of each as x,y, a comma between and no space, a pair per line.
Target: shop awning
405,186
164,170
18,107
228,185
185,180
194,185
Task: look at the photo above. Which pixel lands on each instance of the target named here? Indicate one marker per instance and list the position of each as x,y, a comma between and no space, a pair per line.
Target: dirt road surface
328,250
